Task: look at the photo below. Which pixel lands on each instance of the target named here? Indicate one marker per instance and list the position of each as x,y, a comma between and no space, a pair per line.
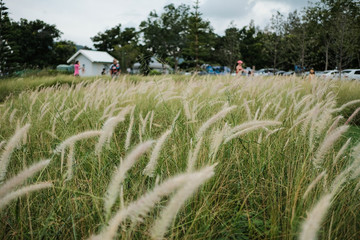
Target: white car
351,74
329,74
265,72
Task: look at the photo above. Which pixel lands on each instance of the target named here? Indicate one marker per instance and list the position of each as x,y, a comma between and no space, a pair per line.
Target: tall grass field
180,157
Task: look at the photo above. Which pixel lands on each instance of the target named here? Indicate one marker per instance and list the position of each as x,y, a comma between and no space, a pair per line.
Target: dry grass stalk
250,128
150,167
177,201
22,191
129,132
22,176
108,129
313,221
9,148
341,151
145,203
313,183
352,116
73,139
213,119
193,155
327,143
120,174
346,105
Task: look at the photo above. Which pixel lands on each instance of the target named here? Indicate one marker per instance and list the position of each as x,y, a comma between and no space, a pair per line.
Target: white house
154,65
92,62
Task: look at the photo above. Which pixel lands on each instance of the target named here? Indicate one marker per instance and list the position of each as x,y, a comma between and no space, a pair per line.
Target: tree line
324,35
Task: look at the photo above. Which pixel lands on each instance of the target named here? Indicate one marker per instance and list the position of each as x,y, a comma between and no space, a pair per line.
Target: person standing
239,68
77,68
115,69
311,74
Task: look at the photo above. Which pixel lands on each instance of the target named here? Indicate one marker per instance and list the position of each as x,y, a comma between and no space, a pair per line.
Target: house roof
93,56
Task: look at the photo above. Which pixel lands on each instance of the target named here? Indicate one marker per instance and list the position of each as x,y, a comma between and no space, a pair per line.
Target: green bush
154,72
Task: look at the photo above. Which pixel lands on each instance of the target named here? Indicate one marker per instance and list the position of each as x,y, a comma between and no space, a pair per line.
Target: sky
79,20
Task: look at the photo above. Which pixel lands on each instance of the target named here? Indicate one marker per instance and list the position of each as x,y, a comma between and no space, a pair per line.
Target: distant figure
77,69
239,68
115,69
103,71
311,74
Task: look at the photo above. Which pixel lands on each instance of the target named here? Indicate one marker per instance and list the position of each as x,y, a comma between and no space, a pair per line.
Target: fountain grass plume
341,151
352,116
327,143
108,129
177,201
129,132
145,203
70,162
213,119
150,167
252,123
70,143
175,119
312,223
9,148
73,139
22,176
334,124
22,191
313,183
216,140
120,174
346,105
193,155
250,127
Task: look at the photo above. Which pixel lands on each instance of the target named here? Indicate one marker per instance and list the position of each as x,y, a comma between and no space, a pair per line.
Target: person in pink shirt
77,69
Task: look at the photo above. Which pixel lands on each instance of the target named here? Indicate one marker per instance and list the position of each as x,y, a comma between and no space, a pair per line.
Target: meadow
179,157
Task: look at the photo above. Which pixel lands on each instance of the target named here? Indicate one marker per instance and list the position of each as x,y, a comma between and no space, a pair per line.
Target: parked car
329,74
289,73
319,73
280,72
350,74
265,72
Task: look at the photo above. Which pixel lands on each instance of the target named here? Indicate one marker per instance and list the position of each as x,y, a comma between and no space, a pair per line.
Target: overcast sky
79,20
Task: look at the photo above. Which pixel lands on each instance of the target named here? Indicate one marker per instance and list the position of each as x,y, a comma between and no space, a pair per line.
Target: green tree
35,40
273,41
121,44
295,41
229,50
344,31
251,45
63,51
165,34
8,53
200,38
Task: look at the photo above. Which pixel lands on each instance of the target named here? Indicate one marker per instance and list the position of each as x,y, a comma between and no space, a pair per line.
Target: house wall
98,67
86,64
91,69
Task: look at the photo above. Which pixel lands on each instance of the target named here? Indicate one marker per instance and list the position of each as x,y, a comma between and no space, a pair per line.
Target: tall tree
229,51
251,45
165,34
35,41
8,53
200,37
121,44
295,41
63,50
344,31
274,39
